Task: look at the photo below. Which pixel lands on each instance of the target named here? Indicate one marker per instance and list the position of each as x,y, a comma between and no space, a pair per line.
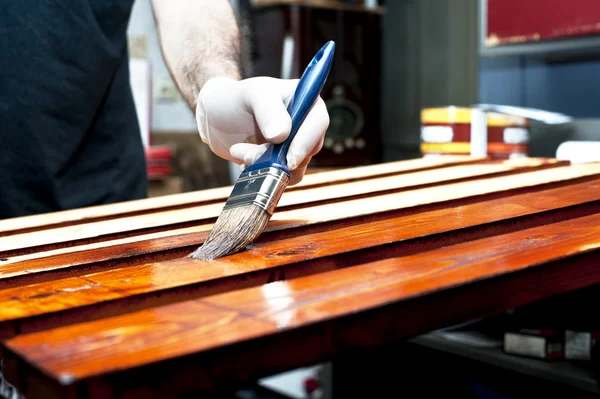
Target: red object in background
521,21
310,385
159,152
158,161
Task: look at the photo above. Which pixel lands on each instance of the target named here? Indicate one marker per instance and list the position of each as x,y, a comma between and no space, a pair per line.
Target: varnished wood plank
109,292
380,294
294,198
201,216
359,173
203,197
179,241
441,176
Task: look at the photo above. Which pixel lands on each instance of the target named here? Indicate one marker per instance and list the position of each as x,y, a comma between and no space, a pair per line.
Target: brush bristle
234,229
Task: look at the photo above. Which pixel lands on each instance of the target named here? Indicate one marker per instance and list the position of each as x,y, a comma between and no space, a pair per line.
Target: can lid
452,115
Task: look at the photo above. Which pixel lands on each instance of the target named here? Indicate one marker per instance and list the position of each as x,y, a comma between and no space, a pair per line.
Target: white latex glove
240,119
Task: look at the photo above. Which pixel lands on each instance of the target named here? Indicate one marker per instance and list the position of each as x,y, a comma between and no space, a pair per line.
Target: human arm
237,117
199,40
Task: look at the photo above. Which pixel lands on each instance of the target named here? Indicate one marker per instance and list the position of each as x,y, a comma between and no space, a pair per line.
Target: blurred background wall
399,58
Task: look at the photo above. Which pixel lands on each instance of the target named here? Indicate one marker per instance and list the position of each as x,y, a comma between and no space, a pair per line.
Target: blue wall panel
572,88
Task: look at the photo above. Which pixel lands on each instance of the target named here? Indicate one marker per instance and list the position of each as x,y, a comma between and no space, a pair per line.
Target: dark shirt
69,135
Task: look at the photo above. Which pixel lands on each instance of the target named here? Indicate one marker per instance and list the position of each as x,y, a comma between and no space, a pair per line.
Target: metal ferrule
262,187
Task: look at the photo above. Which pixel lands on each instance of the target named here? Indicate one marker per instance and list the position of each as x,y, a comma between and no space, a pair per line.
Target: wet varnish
103,301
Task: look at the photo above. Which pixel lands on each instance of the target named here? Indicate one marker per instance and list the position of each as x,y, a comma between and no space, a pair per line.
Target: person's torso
68,130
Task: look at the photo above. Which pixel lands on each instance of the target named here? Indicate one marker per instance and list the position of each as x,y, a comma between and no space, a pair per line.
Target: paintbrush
257,191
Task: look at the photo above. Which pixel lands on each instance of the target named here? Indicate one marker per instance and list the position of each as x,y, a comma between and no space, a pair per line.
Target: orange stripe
502,147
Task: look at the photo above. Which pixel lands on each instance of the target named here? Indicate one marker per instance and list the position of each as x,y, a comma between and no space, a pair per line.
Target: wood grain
85,297
178,242
197,198
288,221
239,318
103,302
212,208
202,216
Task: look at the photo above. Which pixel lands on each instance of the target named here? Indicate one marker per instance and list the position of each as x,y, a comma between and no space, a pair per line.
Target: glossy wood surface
286,258
284,222
306,205
196,198
202,214
101,306
192,327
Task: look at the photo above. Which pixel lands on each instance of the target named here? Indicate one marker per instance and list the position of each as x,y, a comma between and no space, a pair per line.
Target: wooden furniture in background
352,90
103,302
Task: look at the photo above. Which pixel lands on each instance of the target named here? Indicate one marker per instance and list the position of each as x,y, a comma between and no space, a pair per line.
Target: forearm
199,40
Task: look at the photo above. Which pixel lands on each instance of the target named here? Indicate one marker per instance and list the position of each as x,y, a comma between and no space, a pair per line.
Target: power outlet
166,91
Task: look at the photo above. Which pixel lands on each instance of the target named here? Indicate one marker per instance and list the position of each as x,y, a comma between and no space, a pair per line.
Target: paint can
473,131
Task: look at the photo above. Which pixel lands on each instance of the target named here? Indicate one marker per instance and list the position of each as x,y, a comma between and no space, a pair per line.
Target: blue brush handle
308,90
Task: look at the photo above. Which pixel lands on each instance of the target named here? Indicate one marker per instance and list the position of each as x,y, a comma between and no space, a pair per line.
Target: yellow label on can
453,148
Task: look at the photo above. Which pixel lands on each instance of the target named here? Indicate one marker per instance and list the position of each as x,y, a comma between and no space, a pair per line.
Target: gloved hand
240,119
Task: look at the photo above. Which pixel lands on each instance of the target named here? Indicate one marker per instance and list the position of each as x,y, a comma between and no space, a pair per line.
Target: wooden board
108,304
273,259
176,201
129,225
284,222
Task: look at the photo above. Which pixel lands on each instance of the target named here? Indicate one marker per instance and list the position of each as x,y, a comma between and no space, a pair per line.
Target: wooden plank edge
27,243
336,334
170,247
50,220
294,267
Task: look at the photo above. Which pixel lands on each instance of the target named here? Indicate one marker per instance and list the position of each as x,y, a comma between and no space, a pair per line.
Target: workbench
103,302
